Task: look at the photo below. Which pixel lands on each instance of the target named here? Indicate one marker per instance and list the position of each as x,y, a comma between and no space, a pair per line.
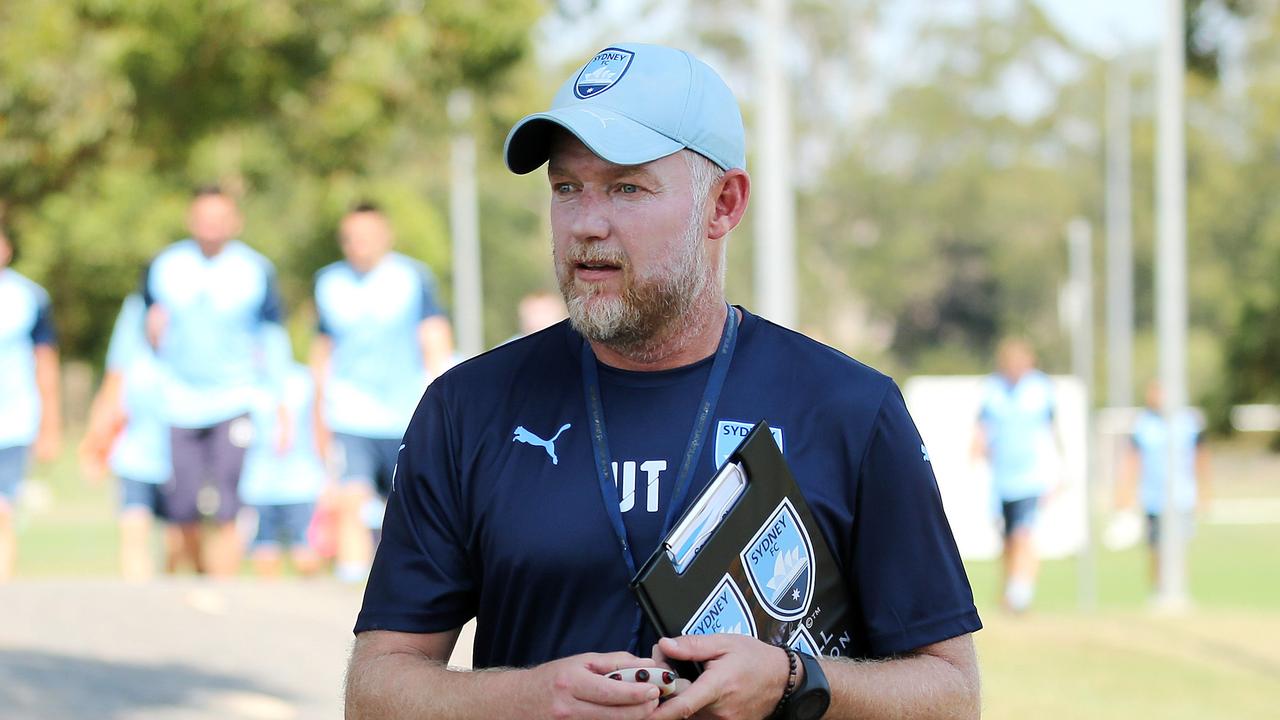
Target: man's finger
689,701
698,648
602,663
603,690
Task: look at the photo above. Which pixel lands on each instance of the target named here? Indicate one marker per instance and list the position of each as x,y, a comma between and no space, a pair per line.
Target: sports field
1222,660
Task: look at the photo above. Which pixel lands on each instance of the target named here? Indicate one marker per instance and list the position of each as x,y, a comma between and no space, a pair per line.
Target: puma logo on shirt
528,438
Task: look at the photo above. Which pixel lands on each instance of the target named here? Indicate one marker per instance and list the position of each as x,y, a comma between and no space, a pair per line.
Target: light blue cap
632,104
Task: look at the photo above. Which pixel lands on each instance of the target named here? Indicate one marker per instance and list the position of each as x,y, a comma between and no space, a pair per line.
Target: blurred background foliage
931,203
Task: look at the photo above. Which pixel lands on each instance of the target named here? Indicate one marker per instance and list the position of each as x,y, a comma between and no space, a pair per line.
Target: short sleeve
42,332
323,326
907,575
984,403
144,285
1051,399
272,309
421,579
128,334
428,305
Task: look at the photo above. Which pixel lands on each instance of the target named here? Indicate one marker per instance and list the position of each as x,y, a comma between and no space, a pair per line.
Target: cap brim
607,133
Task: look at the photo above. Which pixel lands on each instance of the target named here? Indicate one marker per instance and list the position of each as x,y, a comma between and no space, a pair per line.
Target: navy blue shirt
496,510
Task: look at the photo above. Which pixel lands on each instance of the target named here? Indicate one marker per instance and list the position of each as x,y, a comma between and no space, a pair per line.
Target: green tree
110,110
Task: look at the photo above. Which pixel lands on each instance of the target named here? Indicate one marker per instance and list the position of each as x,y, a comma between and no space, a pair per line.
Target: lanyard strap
697,436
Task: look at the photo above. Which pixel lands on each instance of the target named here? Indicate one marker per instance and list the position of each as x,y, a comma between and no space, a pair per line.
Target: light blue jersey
218,310
26,320
298,475
1150,438
141,452
376,372
1018,422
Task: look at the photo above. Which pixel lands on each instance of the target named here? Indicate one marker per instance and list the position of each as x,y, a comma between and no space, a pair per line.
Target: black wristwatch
811,698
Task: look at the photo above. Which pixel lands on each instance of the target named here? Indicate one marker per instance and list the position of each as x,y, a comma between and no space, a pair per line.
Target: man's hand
48,444
576,687
284,430
742,677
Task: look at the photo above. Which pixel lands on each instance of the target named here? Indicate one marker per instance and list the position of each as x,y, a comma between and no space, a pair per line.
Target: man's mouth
597,266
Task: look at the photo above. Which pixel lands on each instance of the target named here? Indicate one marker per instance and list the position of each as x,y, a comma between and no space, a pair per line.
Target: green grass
1210,664
72,530
1232,567
1220,660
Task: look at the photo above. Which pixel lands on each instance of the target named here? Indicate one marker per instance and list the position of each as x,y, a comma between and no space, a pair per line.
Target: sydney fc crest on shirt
731,433
724,611
603,72
779,564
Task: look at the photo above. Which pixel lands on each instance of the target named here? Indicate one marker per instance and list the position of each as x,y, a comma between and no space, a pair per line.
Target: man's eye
628,188
563,187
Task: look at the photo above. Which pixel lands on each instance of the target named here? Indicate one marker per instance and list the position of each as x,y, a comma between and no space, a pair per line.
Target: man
30,416
1144,473
212,311
1016,435
127,434
505,507
382,338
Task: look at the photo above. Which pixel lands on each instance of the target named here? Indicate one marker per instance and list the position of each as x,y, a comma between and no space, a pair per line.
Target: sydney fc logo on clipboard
779,564
803,642
724,611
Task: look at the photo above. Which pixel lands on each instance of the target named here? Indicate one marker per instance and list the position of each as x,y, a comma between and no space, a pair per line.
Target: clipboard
747,557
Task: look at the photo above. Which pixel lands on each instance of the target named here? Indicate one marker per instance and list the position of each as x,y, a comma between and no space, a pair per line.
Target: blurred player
283,487
128,434
382,338
1015,434
539,310
1146,469
212,308
30,414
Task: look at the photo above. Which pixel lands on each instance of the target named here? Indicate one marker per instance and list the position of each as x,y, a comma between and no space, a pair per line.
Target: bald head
1015,358
213,220
365,237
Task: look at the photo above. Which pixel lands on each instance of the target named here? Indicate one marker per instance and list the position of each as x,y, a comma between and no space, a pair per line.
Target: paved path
175,649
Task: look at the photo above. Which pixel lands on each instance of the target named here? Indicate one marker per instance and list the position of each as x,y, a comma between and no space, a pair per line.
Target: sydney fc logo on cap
779,564
724,611
603,72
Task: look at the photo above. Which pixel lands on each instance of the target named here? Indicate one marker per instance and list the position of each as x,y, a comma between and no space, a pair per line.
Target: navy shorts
367,460
206,471
135,494
13,466
283,525
1019,514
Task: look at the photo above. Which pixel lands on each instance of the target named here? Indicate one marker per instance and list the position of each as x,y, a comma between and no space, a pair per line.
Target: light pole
464,224
775,257
1171,294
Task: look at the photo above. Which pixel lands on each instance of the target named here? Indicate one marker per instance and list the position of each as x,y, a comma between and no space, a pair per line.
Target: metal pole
1080,259
775,262
464,223
1171,294
1119,238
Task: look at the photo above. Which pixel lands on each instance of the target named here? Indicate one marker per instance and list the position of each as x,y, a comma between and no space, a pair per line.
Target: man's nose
593,216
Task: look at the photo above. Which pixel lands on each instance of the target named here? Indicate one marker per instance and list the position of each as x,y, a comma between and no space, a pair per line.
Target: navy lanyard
697,439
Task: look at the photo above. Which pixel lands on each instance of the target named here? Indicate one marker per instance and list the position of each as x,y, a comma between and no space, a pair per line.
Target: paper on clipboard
687,538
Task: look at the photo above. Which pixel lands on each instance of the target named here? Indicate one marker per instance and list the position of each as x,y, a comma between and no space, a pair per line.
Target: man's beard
648,309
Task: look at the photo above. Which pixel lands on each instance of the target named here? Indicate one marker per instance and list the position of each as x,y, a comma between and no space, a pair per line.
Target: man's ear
731,194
